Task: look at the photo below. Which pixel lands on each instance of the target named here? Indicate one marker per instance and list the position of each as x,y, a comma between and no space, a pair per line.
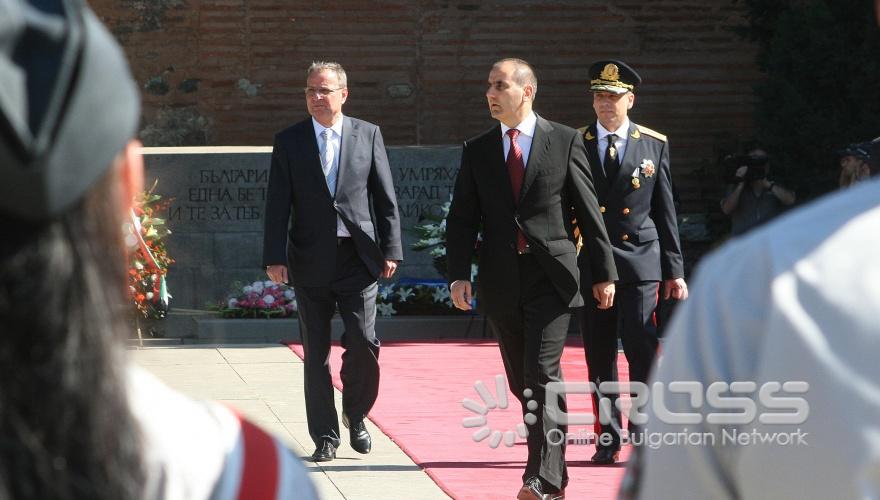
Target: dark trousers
632,319
531,339
353,290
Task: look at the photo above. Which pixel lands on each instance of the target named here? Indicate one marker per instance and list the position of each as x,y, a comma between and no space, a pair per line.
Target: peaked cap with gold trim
613,76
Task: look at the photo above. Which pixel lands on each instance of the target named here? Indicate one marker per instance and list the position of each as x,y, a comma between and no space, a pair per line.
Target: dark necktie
516,168
612,159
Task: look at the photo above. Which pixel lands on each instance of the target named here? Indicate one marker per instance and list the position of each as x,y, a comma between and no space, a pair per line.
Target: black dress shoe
605,456
358,435
324,453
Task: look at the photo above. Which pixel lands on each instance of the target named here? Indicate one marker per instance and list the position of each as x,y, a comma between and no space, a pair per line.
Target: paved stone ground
266,383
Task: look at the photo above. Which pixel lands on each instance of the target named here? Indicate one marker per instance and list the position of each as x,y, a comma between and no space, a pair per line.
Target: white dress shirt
620,143
336,142
526,134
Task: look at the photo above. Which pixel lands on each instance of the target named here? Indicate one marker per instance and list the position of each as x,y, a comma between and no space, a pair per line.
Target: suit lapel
498,166
312,154
630,156
591,142
346,150
540,145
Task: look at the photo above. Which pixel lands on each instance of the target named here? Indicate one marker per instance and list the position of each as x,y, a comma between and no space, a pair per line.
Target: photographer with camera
753,199
855,164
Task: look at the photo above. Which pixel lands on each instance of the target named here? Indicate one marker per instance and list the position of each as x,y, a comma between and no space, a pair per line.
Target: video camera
757,167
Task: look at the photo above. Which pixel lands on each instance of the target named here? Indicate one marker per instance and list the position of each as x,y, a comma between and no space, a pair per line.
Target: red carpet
419,407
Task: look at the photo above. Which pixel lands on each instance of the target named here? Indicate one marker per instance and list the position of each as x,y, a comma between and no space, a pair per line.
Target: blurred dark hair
66,431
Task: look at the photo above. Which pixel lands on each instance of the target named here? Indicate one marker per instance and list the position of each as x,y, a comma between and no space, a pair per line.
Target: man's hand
740,173
675,288
277,273
604,294
390,267
461,294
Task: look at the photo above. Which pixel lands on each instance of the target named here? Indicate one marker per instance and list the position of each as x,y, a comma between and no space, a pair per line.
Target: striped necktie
327,164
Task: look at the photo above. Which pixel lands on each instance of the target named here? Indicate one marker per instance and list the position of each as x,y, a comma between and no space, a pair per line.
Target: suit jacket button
602,209
335,205
625,237
625,211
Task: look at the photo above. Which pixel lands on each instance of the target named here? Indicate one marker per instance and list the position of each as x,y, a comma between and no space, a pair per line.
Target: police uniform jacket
637,207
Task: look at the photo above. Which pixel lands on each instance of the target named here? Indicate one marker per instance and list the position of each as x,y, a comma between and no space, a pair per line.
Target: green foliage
822,68
432,237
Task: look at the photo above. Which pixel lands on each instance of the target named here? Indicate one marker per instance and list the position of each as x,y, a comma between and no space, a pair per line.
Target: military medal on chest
635,179
646,168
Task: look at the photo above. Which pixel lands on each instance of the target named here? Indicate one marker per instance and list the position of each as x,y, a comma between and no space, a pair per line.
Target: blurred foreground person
787,316
76,420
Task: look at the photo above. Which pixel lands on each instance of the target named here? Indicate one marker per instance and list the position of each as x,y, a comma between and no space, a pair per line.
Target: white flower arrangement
420,298
385,309
265,299
260,299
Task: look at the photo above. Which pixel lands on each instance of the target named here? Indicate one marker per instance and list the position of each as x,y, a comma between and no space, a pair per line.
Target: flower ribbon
138,230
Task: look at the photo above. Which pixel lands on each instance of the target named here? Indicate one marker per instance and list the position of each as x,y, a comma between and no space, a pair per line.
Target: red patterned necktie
516,168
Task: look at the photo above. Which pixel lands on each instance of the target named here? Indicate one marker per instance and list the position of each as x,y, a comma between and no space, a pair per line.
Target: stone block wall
215,205
216,199
231,72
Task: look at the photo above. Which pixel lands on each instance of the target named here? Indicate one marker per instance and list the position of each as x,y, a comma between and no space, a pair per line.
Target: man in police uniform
630,165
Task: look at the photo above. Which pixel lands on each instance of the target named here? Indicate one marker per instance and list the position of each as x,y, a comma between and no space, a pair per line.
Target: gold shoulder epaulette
652,133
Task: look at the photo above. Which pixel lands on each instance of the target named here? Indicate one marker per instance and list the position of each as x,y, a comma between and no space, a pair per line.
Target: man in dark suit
331,230
528,278
631,167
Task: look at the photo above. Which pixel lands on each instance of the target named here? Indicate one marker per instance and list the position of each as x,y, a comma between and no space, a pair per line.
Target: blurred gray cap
68,105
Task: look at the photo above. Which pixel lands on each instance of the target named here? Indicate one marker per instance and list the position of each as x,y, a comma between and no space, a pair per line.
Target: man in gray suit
331,230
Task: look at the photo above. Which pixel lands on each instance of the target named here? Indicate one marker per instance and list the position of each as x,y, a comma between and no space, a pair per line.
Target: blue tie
327,153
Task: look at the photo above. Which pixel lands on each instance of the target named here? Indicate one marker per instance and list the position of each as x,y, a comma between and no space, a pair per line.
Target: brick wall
230,72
